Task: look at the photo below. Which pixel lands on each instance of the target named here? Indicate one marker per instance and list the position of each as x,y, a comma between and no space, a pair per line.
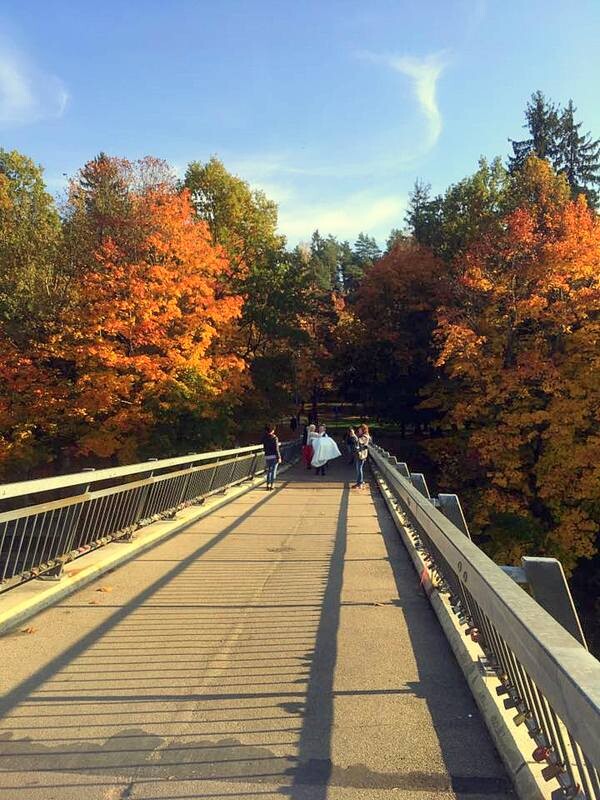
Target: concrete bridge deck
279,647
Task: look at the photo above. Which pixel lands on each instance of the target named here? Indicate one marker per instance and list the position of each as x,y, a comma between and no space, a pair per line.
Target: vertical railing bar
121,512
55,531
514,679
518,684
104,522
10,549
32,534
498,648
549,726
16,569
35,558
594,775
2,539
566,760
187,480
175,493
90,521
150,501
115,513
161,494
132,496
538,710
581,771
528,698
97,531
145,495
545,719
490,640
7,560
57,542
164,501
214,475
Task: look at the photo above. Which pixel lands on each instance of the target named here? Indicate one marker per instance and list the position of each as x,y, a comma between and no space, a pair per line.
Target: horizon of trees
148,315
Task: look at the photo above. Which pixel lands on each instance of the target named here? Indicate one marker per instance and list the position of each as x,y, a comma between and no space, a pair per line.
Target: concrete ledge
513,743
27,599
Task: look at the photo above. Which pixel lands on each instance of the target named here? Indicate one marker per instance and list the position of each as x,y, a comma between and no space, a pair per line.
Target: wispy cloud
27,94
424,74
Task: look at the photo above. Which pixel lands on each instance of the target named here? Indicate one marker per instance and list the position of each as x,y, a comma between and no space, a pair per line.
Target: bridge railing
47,522
549,679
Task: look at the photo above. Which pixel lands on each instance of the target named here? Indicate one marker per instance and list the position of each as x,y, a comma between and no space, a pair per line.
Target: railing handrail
567,674
88,477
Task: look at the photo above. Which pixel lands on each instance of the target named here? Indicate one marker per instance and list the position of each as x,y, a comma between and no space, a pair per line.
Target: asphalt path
278,647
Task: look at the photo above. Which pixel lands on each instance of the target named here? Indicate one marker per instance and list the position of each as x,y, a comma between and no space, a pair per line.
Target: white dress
324,449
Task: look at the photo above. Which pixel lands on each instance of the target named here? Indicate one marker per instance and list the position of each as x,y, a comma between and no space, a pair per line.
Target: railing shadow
151,695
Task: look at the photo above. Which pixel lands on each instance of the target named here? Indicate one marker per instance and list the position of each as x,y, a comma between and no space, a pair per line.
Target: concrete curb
31,597
510,741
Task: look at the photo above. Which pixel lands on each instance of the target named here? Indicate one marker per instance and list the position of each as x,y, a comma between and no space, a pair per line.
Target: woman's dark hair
269,428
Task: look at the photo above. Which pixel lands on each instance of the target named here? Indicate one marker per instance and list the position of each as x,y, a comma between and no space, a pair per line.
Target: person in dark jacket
270,444
351,444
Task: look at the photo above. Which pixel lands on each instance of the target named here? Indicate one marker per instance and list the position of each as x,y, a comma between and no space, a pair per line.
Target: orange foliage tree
384,345
136,361
518,341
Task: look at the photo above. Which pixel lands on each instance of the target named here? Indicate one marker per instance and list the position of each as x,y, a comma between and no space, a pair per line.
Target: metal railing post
139,512
55,574
173,513
231,474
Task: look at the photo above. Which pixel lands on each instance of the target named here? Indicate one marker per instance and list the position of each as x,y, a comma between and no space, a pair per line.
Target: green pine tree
543,123
578,156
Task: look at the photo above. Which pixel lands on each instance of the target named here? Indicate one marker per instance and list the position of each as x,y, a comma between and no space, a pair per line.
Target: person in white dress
324,450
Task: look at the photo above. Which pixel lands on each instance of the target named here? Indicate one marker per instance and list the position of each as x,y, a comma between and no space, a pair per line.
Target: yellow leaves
574,537
461,348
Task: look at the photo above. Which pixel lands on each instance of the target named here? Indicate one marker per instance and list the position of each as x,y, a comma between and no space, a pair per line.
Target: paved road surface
279,647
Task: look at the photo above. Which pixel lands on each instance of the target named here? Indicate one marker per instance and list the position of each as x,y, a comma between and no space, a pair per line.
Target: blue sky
333,108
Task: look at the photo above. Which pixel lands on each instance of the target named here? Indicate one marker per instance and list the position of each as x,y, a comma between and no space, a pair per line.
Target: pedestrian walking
270,444
362,453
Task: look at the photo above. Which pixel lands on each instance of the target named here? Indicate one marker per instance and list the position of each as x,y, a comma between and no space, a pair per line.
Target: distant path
279,647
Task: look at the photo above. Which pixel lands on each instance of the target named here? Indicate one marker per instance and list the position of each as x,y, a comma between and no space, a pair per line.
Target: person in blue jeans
362,453
270,444
351,444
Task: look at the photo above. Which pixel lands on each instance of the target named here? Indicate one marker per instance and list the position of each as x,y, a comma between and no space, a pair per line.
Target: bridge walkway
278,647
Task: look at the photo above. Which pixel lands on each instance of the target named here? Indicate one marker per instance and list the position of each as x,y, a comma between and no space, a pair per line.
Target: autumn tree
149,293
242,220
524,306
32,282
448,223
384,357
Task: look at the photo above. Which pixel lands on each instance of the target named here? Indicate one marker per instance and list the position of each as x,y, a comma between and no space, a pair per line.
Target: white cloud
364,212
424,74
26,93
274,191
